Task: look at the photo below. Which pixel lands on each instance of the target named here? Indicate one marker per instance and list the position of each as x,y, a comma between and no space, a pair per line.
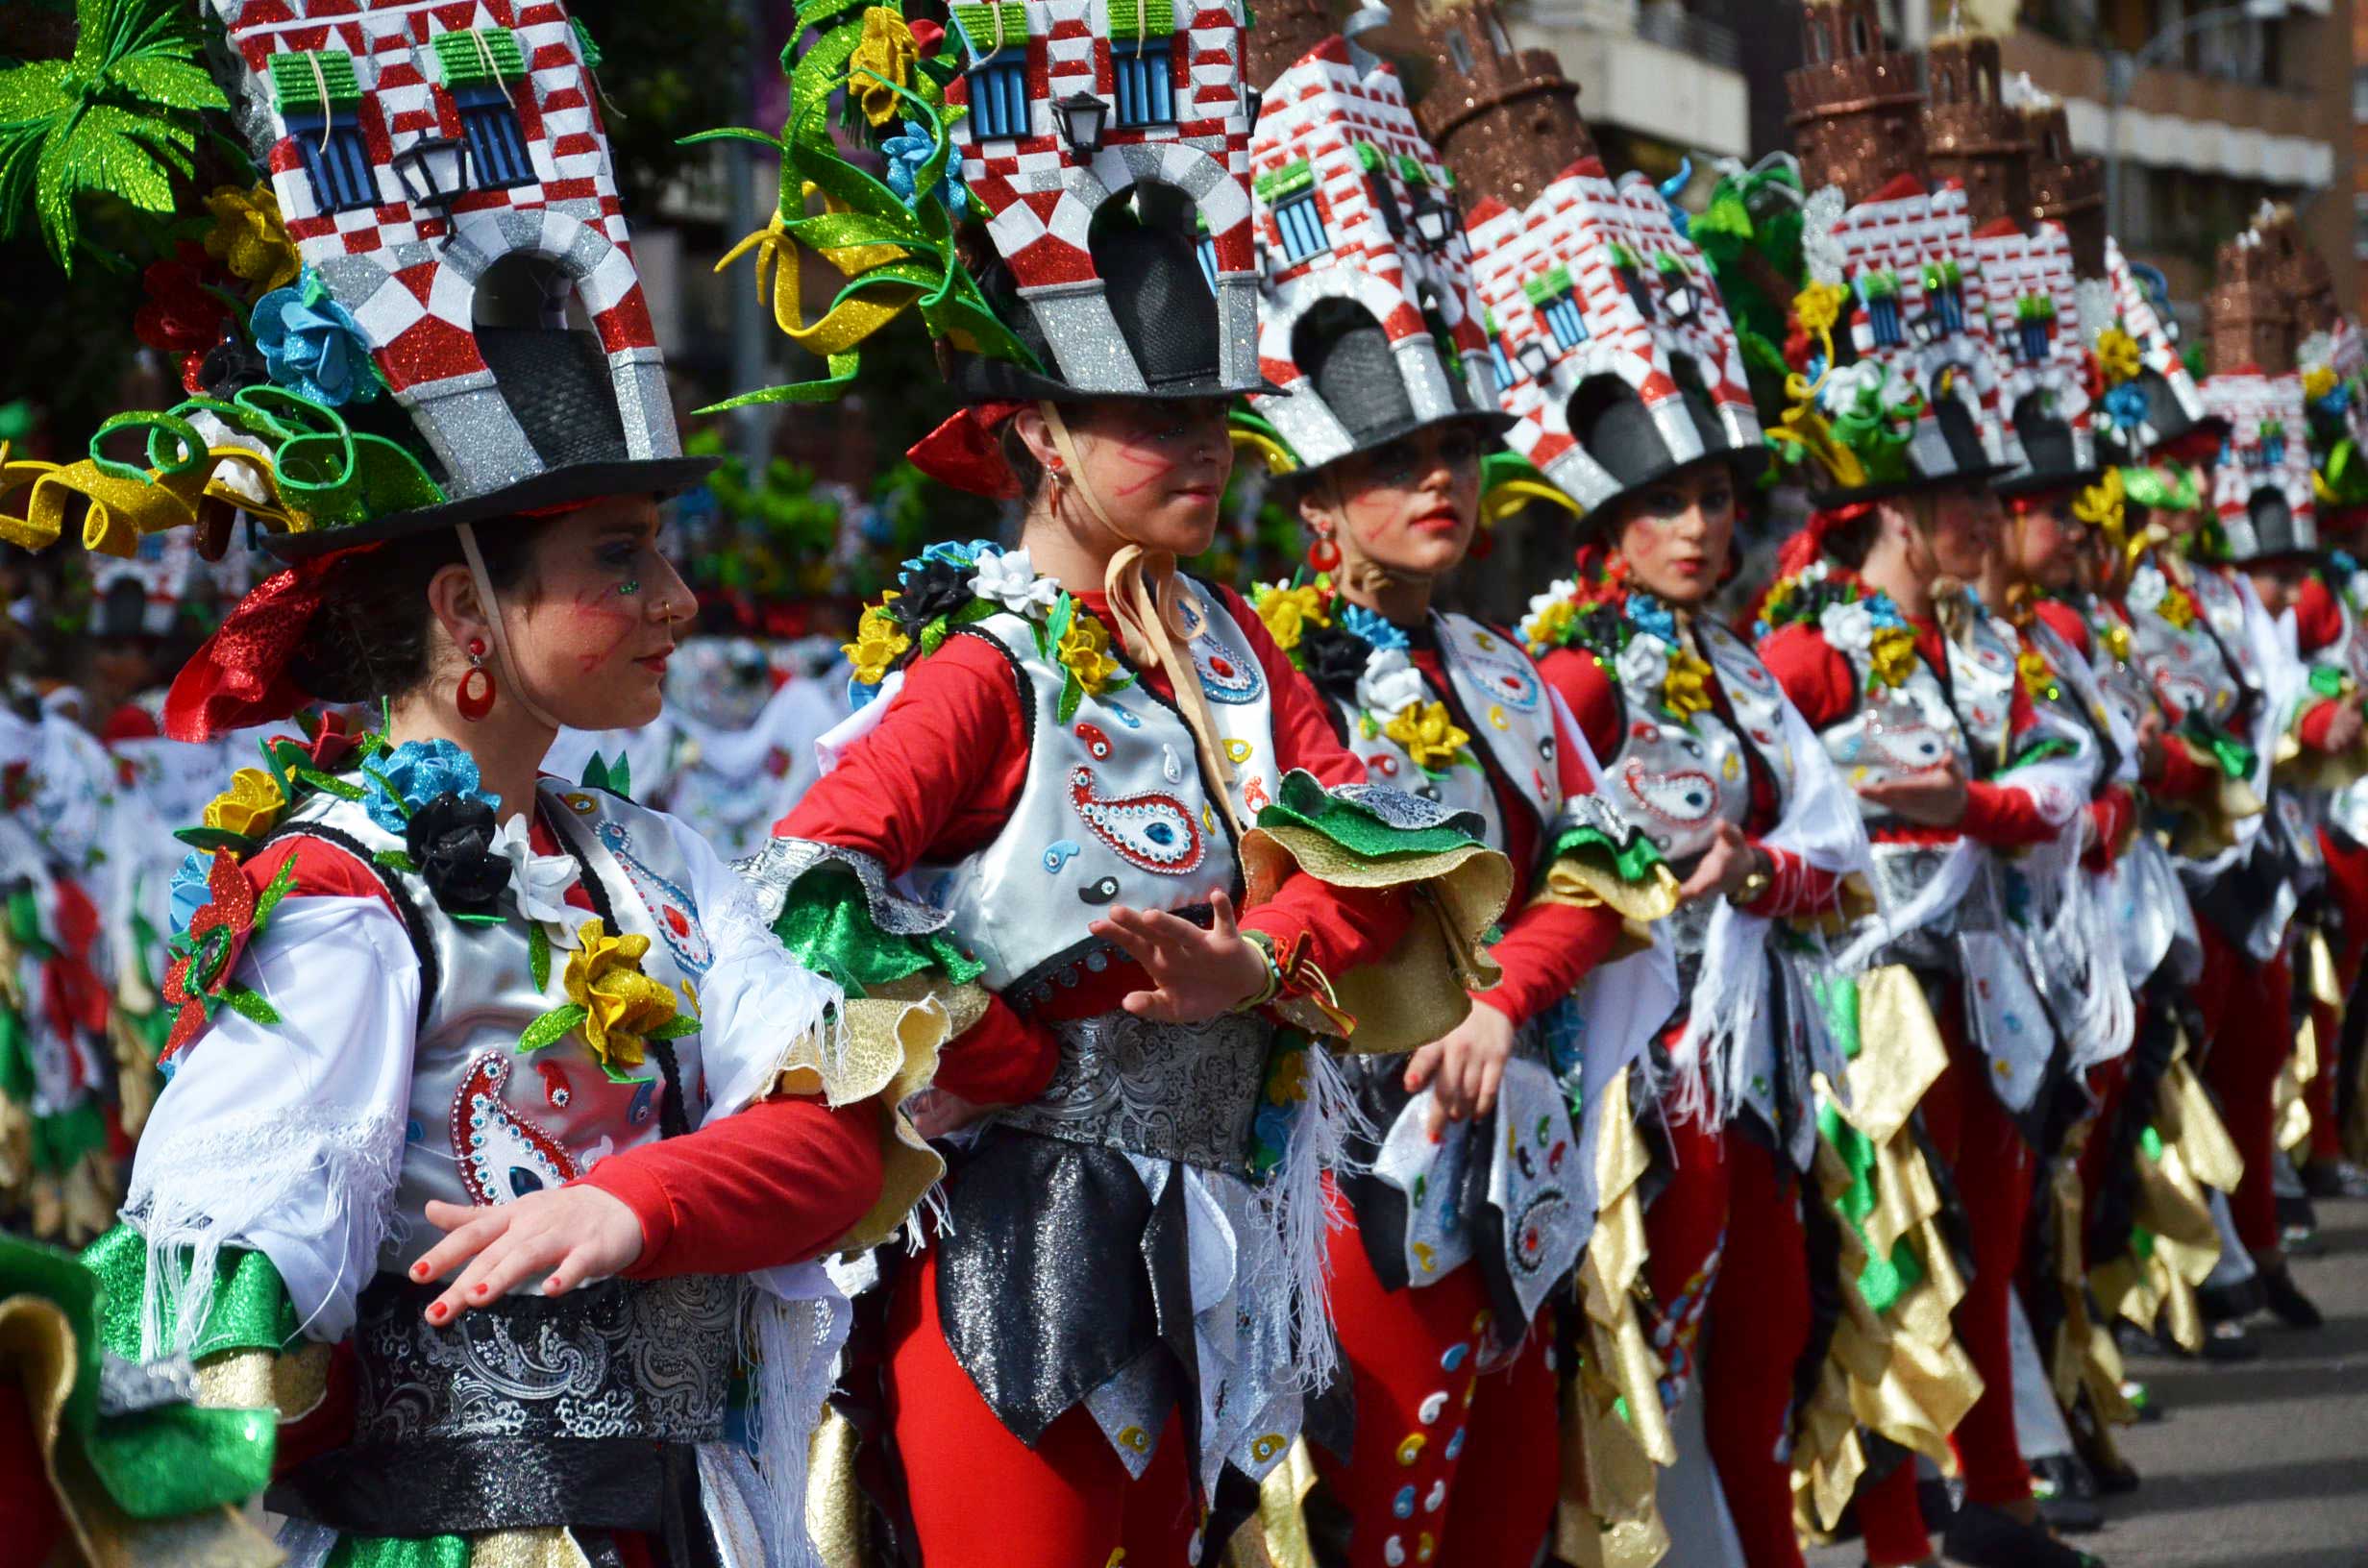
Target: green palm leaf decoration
119,118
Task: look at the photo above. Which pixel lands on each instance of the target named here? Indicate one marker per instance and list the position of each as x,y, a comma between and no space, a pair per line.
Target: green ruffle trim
2237,759
165,1462
393,1551
1633,861
2052,746
826,922
1303,802
250,1309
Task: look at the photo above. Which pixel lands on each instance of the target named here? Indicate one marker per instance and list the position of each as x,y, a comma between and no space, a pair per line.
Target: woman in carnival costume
1458,1235
1088,764
1873,632
495,1085
1711,763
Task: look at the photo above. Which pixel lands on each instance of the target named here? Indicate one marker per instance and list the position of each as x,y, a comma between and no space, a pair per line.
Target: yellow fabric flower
2103,504
250,806
1548,628
622,1006
1085,651
249,239
1893,654
1289,1084
1818,306
1289,612
880,641
2318,382
2176,607
2117,355
2039,679
1683,689
885,56
2117,643
1428,734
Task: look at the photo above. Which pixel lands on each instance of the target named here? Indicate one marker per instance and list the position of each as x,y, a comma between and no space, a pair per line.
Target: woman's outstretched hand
1195,974
570,1235
1462,1068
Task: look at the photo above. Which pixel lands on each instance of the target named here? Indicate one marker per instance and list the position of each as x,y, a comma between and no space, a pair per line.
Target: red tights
1993,1167
1760,1315
1450,1465
983,1499
2246,1012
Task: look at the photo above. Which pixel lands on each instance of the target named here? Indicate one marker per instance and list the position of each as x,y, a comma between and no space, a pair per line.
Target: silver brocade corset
1114,810
2190,671
1677,779
1504,706
487,1124
1188,1092
649,1360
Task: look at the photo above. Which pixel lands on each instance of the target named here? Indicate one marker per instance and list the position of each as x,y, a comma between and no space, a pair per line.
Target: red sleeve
940,774
1794,887
2183,776
1587,692
129,722
1303,732
776,1184
1816,677
1548,949
2318,619
1345,929
2112,811
2311,731
1000,1060
2065,622
322,870
2003,816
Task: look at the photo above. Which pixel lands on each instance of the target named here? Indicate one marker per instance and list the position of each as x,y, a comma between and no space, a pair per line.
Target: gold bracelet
1273,987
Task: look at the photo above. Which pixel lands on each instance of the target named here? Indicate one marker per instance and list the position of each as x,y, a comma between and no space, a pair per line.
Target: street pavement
2260,1465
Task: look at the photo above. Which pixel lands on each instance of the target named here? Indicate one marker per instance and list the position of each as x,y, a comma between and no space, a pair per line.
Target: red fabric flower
330,740
181,316
199,979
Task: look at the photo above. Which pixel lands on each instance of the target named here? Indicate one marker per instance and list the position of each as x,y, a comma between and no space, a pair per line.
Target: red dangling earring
1324,555
475,696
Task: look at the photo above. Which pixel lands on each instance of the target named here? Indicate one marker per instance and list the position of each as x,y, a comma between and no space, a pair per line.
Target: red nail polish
419,1271
478,1290
437,1313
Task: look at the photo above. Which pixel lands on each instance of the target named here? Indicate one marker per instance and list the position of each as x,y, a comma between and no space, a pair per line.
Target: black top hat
1348,363
1624,437
2050,454
1162,303
557,385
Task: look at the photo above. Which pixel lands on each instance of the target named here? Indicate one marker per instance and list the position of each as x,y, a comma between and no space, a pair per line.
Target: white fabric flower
2147,587
539,882
1009,578
1644,663
1391,683
1850,627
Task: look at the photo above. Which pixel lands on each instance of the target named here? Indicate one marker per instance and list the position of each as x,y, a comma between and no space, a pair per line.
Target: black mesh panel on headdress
1345,353
557,385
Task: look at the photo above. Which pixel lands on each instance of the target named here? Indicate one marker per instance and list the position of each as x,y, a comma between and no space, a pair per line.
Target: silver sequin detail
1185,1092
776,868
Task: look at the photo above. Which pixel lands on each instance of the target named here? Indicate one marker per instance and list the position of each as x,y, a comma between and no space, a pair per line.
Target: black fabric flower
938,588
1333,661
450,841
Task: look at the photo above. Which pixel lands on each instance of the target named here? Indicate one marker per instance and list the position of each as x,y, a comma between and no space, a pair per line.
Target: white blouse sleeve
286,1139
762,1012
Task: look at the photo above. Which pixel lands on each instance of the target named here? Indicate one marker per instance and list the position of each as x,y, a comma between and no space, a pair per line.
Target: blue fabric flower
2336,401
313,346
415,774
963,553
2125,406
1369,629
907,154
1649,615
189,891
1884,613
2343,562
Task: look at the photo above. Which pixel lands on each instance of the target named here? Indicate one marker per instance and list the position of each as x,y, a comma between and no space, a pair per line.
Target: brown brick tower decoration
2302,275
1970,132
1857,112
2065,187
2247,320
1285,30
1506,120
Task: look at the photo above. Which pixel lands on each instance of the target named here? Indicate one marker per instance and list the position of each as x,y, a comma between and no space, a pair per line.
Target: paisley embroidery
1097,741
671,908
1226,674
1505,674
1155,832
1060,853
1681,798
501,1154
1902,743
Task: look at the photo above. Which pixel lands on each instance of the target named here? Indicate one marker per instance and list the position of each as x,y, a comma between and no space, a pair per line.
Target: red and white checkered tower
1034,69
334,94
1344,185
2256,389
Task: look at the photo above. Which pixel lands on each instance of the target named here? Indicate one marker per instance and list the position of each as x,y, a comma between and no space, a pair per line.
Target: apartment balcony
1653,70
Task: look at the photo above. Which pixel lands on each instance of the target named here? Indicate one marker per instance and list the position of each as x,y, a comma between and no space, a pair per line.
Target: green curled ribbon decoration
2237,759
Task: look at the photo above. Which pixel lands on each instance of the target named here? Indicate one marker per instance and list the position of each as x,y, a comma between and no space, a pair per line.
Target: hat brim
2037,482
1920,484
1747,463
577,484
977,378
1490,425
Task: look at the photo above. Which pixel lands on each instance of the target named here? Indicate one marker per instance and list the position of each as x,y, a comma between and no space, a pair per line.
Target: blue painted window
1302,226
1501,366
1144,82
338,163
999,97
496,149
1564,321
